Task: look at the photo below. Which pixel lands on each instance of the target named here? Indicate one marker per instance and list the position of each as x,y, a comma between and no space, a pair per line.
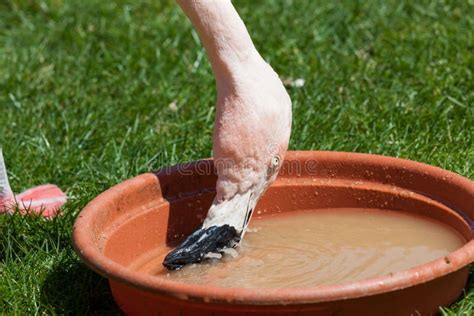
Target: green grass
85,88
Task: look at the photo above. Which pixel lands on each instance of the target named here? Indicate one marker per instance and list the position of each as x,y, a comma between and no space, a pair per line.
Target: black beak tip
199,244
170,264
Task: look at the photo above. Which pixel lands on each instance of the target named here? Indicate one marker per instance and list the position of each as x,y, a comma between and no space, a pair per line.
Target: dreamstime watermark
225,166
212,166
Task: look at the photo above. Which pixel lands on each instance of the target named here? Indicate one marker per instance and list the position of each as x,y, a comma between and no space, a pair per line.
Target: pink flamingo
45,200
251,132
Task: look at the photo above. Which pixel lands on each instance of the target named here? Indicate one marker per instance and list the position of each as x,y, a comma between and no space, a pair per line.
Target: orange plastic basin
138,215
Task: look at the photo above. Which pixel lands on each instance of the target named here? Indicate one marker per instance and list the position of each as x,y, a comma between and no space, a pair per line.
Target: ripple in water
309,248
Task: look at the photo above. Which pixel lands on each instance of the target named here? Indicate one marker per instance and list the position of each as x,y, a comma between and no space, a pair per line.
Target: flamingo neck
224,35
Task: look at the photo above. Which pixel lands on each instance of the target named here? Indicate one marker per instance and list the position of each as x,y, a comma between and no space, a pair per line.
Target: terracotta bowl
134,217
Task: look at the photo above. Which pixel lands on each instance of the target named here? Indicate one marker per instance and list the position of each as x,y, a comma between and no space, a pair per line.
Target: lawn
93,92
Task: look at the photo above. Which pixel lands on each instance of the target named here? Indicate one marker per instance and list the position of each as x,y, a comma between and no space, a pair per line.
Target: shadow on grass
464,304
72,288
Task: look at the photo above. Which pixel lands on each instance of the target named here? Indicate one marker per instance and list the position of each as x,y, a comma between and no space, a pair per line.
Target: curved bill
218,232
201,243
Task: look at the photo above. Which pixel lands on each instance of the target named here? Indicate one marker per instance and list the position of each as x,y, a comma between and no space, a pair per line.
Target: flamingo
45,199
251,131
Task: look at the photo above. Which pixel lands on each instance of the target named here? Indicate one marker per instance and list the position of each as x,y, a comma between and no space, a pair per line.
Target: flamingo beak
223,228
200,243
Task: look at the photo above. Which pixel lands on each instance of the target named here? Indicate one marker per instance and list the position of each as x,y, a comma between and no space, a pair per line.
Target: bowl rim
97,261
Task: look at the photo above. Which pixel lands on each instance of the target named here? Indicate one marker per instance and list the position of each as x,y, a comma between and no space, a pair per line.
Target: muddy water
304,249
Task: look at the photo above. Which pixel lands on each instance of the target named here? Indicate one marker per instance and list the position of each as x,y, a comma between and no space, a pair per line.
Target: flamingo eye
275,161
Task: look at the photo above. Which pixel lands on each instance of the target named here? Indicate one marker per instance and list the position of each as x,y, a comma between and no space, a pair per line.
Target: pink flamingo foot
45,200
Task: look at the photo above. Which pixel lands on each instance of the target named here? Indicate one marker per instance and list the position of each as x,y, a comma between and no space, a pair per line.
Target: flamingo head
251,138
